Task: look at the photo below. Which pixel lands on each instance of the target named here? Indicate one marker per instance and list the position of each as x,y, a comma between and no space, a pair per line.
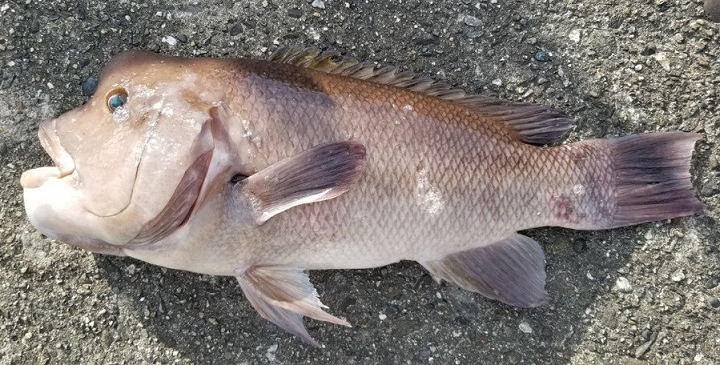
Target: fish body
261,169
429,162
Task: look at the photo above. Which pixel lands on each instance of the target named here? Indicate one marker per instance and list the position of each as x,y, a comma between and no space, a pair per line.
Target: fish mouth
51,144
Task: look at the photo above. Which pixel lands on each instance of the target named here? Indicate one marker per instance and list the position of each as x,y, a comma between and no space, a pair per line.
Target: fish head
120,157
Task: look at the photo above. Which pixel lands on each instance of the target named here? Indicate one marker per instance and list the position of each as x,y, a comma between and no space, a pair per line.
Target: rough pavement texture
644,294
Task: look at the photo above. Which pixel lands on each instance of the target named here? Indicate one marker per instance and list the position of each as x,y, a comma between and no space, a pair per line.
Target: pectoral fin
320,173
283,295
511,271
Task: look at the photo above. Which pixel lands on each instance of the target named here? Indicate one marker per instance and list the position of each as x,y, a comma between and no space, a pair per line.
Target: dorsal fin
533,123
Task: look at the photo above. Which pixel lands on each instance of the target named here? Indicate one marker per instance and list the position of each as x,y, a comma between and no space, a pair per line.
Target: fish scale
263,169
399,222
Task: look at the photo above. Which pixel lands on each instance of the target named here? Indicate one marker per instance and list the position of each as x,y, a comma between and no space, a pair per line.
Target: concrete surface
644,294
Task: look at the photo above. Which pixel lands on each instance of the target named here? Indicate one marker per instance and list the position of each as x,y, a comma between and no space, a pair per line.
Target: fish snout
47,133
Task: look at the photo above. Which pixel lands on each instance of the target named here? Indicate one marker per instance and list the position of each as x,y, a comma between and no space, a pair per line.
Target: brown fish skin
305,169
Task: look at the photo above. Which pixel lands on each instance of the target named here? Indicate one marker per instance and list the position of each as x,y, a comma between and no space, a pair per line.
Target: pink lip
50,142
34,178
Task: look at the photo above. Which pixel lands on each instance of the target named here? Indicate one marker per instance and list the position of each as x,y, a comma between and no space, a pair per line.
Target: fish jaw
53,198
51,204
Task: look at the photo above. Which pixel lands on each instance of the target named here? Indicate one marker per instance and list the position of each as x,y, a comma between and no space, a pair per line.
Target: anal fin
283,295
511,271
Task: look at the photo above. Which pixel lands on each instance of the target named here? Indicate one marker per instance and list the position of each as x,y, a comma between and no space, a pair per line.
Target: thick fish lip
35,178
51,144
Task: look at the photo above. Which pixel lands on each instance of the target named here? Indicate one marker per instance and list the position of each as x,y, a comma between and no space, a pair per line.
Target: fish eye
117,99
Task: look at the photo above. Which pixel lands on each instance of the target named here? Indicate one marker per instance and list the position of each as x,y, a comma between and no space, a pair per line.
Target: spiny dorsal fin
334,63
537,124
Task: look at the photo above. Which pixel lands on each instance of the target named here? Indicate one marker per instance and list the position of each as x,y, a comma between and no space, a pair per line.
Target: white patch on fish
246,128
578,189
427,196
250,136
141,91
150,142
121,115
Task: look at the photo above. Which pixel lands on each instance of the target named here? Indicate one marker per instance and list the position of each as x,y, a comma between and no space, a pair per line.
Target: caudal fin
653,177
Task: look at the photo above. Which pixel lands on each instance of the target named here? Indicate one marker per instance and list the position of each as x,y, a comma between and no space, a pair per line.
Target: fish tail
652,177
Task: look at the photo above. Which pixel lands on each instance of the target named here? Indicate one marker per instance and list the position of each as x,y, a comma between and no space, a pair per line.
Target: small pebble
542,56
471,21
574,35
89,85
236,29
715,303
106,339
182,38
662,59
678,276
170,40
318,4
525,327
712,283
294,13
270,354
710,189
642,349
623,284
714,163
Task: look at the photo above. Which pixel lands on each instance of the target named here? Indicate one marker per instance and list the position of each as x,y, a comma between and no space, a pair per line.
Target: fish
264,169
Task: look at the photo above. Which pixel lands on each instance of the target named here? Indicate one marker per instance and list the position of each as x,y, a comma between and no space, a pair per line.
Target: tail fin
653,177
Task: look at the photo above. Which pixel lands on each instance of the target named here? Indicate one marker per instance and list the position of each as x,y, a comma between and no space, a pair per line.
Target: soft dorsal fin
533,123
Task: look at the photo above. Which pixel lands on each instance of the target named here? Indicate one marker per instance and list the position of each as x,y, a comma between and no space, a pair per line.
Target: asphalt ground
643,294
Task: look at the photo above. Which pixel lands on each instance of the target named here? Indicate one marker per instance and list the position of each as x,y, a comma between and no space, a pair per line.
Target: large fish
262,169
